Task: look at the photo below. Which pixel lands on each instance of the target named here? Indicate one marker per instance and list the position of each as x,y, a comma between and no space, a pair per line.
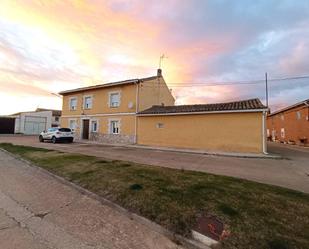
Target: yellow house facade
142,111
237,131
107,112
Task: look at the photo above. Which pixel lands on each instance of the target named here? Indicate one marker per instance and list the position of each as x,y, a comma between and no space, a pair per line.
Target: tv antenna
163,56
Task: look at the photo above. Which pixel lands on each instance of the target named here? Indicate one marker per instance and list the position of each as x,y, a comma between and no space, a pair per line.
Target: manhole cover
210,226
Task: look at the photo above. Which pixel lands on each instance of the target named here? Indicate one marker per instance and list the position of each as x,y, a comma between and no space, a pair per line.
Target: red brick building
290,124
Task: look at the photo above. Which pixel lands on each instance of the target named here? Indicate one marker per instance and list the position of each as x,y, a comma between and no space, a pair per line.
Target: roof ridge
240,105
219,103
107,84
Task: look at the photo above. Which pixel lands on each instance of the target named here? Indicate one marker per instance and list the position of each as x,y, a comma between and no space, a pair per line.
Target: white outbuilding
33,123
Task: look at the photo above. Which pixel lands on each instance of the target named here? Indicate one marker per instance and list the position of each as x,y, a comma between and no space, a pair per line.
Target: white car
57,134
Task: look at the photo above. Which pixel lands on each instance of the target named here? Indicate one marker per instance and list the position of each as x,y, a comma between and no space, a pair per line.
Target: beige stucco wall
100,102
154,92
230,132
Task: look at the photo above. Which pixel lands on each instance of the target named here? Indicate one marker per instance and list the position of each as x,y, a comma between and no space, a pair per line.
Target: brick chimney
159,72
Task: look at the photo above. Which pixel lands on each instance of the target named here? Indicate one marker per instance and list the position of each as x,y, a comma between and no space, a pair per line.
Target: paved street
291,172
39,212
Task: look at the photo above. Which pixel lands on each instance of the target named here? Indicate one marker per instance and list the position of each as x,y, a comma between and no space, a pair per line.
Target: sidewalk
37,211
191,151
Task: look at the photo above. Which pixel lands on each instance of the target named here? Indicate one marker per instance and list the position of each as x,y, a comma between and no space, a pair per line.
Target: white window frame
84,102
110,99
298,115
91,125
282,133
70,106
69,124
110,131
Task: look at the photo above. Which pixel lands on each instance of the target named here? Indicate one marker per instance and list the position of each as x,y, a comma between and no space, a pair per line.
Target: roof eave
289,108
204,112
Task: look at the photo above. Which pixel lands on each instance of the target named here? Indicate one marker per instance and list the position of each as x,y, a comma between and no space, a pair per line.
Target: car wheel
54,140
41,139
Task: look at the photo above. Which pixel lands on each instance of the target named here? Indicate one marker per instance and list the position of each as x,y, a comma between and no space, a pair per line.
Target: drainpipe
136,109
264,144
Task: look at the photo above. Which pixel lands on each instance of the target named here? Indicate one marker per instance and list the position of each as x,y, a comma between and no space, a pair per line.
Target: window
114,99
160,125
282,133
298,115
114,127
72,124
87,102
282,117
73,104
57,119
94,126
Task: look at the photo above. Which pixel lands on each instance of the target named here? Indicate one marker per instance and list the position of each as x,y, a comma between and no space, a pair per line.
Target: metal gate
34,125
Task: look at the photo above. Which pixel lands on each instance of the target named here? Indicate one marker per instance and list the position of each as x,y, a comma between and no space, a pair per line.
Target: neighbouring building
34,122
7,125
142,111
290,124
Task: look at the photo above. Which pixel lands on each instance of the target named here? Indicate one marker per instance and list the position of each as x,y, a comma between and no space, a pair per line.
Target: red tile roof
250,104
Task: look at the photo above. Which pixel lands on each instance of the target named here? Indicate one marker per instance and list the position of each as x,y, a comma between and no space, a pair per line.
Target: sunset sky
50,46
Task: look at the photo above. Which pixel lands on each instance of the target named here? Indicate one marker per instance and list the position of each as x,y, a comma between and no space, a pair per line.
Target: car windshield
65,129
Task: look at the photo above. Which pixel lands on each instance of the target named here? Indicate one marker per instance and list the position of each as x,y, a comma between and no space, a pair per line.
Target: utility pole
266,89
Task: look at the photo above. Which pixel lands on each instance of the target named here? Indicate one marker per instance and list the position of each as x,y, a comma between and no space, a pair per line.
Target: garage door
34,125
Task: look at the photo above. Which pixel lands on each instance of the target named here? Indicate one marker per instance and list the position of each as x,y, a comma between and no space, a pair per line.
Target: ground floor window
72,124
282,133
114,127
94,126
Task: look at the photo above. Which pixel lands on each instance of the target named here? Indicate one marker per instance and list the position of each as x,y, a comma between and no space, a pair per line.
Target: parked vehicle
57,135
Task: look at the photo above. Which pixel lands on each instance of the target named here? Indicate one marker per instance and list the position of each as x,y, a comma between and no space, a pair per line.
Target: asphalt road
39,212
292,172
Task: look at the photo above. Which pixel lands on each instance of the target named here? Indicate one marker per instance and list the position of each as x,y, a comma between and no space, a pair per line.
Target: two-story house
142,111
107,112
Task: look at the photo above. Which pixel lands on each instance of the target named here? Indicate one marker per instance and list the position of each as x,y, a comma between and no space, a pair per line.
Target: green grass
257,215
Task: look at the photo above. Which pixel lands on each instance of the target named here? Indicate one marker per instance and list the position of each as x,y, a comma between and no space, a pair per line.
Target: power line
223,83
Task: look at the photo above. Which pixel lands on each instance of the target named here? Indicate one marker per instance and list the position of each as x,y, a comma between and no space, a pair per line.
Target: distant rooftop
243,105
305,102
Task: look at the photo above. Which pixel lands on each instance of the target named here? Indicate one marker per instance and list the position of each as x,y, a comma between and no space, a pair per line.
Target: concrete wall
294,128
230,132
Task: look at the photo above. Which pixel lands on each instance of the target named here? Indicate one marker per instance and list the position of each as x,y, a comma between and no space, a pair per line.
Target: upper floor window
282,117
73,104
87,102
114,99
57,119
298,115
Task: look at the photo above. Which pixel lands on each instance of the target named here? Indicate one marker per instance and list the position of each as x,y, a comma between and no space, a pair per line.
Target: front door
85,128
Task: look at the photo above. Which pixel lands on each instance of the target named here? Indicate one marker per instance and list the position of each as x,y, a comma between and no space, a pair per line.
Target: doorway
85,134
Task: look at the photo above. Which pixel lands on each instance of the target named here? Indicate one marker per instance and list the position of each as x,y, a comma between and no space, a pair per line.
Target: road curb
178,239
